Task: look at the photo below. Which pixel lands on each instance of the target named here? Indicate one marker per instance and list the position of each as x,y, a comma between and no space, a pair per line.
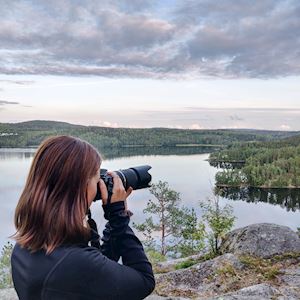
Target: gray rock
291,276
263,240
8,294
193,281
259,291
156,297
290,283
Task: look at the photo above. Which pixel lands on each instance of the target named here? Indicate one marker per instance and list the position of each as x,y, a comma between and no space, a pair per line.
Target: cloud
110,124
196,126
244,109
285,127
151,39
3,102
19,82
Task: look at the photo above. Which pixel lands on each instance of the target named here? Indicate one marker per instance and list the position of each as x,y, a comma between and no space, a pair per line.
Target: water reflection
118,152
6,154
288,199
226,165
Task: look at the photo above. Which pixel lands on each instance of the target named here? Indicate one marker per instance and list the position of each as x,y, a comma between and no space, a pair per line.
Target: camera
136,177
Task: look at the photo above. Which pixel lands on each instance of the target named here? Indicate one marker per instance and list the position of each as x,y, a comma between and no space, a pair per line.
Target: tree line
273,164
32,133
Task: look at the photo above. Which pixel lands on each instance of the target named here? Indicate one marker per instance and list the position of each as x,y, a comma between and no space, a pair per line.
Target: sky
136,63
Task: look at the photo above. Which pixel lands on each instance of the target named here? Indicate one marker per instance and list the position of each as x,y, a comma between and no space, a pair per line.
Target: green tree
5,267
191,235
219,219
178,228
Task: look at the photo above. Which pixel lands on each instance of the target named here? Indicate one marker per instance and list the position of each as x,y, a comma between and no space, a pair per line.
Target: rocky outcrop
254,292
262,240
260,261
8,294
198,279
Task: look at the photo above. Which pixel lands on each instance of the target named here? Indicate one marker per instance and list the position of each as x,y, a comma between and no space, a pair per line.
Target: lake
186,170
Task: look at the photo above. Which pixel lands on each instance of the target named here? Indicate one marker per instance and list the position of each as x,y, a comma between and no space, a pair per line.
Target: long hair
53,204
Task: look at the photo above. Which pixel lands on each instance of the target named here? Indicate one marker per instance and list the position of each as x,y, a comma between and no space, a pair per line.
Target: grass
185,264
267,269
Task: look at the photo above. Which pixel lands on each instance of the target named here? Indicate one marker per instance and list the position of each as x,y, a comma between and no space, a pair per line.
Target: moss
288,255
182,265
271,273
269,268
185,264
256,270
161,270
227,270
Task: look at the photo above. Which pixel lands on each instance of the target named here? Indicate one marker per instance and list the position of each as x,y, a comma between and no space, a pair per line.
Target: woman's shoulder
75,261
85,256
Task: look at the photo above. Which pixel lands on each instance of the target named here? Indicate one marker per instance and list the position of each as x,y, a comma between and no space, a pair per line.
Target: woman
52,258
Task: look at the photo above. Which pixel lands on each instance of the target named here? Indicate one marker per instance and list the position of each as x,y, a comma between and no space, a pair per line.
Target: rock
291,276
259,291
290,283
156,297
226,277
193,281
8,294
263,240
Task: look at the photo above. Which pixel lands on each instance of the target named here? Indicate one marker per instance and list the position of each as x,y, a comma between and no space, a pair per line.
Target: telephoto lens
136,177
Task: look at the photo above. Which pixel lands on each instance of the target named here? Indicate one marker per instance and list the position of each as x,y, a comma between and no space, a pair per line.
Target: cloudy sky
138,63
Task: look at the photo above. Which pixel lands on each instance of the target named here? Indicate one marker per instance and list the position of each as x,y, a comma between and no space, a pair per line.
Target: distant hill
31,133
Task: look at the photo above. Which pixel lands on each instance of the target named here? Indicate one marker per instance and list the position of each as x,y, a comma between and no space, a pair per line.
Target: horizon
143,64
214,129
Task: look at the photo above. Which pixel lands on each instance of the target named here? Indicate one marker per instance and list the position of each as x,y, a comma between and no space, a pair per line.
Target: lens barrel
136,177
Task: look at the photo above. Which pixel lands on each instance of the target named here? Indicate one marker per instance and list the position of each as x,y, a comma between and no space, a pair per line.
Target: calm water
190,174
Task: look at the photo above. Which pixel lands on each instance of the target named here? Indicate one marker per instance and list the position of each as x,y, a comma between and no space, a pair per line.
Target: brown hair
53,204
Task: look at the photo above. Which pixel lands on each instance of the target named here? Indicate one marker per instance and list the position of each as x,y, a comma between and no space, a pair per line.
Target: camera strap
93,225
110,186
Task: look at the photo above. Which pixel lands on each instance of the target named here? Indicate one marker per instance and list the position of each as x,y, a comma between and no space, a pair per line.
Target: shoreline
258,187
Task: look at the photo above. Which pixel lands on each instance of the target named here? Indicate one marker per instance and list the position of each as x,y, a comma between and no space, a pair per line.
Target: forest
31,133
272,164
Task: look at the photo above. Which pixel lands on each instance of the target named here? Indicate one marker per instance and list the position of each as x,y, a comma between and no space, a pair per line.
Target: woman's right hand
119,192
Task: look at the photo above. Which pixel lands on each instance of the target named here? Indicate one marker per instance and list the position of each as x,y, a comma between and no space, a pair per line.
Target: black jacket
81,272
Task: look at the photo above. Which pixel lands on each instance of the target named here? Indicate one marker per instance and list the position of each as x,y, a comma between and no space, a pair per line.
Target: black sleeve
120,241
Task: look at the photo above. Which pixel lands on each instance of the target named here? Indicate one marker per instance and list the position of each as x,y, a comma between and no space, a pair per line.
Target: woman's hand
119,193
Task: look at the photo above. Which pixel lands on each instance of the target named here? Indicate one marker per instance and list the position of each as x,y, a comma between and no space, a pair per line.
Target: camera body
136,177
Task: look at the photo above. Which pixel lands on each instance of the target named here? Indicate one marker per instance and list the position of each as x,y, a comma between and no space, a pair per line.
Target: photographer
52,258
